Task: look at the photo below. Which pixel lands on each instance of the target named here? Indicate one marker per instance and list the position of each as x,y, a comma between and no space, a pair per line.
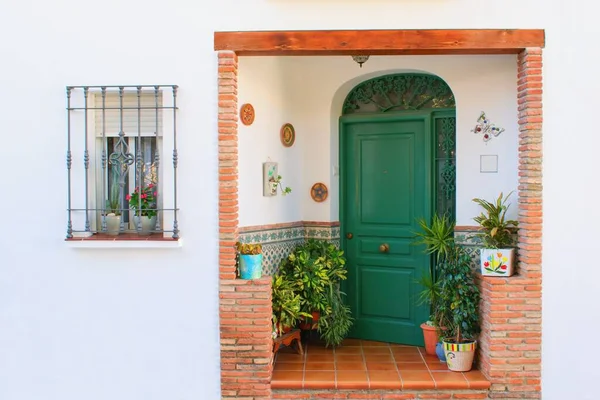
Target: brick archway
511,307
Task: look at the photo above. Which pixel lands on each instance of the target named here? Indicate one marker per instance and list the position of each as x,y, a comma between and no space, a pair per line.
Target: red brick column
244,306
510,342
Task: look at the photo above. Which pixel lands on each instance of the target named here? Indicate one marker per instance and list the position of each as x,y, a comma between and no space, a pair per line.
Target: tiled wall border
279,240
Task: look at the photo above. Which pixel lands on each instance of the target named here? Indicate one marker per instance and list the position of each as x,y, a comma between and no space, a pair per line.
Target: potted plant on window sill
459,301
497,232
113,218
144,205
249,260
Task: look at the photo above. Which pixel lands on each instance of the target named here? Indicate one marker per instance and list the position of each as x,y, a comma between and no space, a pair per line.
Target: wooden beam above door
379,42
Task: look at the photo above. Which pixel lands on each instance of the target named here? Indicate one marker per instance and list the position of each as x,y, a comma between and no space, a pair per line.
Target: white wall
87,324
312,96
262,82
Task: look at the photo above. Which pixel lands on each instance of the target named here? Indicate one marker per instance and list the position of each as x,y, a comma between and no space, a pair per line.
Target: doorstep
360,364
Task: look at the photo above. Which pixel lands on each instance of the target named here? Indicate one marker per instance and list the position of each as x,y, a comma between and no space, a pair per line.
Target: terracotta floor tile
287,380
348,358
376,350
477,380
370,343
352,380
381,366
349,350
319,358
317,350
319,366
288,366
437,366
416,380
350,366
407,357
430,359
384,380
286,357
378,358
319,380
411,366
404,349
449,380
351,342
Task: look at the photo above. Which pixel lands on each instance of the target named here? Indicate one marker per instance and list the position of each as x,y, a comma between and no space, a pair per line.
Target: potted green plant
286,304
318,267
112,215
249,260
497,234
143,202
275,182
437,238
459,300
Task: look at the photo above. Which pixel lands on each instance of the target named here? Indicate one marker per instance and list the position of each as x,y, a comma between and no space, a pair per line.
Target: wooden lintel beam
380,42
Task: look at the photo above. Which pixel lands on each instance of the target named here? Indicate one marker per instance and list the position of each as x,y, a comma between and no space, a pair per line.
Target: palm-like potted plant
459,301
143,202
437,238
497,233
249,260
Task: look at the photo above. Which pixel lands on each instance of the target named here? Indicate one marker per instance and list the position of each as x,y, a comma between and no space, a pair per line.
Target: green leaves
437,237
497,231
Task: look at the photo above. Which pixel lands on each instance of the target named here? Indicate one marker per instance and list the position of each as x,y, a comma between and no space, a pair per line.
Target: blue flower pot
250,266
439,350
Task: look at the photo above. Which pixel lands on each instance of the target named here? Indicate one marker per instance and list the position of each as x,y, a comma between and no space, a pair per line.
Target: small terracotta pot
431,338
307,326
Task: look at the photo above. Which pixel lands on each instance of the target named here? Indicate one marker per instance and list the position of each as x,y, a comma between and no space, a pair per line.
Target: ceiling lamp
360,59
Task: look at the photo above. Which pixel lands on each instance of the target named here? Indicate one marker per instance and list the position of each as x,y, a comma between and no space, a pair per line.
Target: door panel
385,188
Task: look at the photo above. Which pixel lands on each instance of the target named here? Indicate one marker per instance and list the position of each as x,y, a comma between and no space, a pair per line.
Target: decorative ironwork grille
121,134
400,92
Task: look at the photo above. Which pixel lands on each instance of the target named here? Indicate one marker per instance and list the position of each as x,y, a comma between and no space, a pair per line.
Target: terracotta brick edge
244,306
511,308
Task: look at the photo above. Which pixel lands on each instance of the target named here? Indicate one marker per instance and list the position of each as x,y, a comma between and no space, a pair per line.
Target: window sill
124,241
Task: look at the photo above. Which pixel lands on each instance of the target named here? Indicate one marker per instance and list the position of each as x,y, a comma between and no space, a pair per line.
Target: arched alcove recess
511,307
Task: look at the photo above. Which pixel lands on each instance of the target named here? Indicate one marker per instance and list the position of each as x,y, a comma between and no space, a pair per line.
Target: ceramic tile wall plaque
319,192
269,179
287,135
247,114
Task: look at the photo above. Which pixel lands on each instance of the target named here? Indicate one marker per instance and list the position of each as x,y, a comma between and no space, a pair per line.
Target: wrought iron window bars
137,108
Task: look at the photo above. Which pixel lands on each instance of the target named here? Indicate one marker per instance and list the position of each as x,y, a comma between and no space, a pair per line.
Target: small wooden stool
292,339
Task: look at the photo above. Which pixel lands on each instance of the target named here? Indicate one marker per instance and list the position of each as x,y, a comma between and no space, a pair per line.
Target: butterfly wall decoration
486,128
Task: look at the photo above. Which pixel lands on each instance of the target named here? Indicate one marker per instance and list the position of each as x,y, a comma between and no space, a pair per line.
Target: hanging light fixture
360,59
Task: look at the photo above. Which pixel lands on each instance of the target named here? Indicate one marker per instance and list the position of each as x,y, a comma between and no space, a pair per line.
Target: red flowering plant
146,198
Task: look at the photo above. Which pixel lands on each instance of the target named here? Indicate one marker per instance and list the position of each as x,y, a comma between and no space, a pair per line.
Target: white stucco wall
311,92
143,325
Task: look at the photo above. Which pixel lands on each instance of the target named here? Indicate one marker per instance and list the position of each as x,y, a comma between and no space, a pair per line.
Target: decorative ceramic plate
319,192
247,114
288,135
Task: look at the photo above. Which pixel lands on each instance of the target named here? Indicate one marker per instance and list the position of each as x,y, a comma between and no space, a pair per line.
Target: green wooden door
385,185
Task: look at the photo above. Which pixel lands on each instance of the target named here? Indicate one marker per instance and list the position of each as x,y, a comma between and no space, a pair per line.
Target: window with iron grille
120,175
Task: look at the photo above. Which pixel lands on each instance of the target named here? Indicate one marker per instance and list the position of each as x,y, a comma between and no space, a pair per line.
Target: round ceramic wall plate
288,135
247,114
319,192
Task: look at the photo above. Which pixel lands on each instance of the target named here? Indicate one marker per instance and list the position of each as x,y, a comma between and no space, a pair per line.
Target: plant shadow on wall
451,291
306,292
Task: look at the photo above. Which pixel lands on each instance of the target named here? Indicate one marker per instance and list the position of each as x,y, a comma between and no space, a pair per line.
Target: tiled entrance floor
360,364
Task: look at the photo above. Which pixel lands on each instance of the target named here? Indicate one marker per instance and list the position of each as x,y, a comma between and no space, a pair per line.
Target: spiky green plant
497,231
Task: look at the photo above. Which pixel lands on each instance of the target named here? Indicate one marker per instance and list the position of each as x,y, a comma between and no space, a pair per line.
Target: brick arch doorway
510,344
